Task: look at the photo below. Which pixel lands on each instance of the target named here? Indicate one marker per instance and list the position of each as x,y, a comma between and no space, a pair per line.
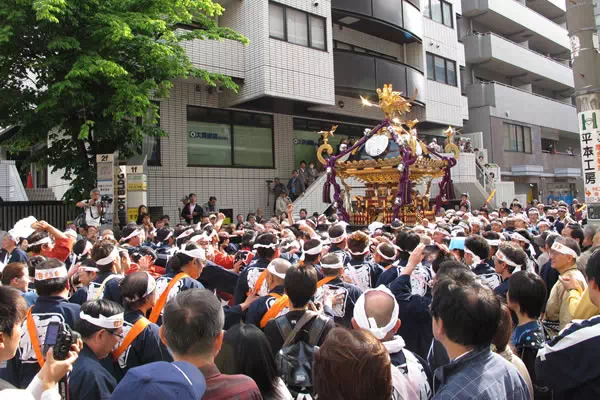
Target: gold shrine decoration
325,146
451,147
391,103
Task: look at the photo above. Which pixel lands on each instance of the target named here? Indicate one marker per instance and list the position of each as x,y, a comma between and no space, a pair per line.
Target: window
439,11
225,138
441,70
517,138
298,27
276,21
150,145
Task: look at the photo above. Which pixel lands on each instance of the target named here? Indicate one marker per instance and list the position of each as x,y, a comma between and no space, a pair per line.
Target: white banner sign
590,154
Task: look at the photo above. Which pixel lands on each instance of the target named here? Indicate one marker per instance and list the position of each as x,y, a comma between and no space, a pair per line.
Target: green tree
83,73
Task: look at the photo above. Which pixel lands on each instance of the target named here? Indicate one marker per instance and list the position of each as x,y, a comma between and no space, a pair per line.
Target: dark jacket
296,186
146,347
342,313
89,380
248,278
259,308
23,366
414,313
189,216
17,255
569,363
481,375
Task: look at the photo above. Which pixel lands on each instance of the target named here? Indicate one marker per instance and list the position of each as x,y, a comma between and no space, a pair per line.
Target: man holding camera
52,306
93,208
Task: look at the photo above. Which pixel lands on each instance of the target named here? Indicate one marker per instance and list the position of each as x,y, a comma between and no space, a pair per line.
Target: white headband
338,239
519,237
196,238
383,255
315,250
495,242
185,233
273,271
113,322
195,253
294,244
442,231
87,268
136,232
561,248
114,254
150,286
364,322
502,257
45,274
266,246
476,259
337,265
45,240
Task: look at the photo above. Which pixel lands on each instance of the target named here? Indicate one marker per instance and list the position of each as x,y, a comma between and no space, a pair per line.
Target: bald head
379,306
281,266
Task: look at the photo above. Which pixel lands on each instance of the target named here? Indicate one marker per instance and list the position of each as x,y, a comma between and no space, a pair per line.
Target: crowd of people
476,304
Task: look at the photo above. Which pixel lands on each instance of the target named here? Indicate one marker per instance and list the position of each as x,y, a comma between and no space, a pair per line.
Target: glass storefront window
252,146
209,144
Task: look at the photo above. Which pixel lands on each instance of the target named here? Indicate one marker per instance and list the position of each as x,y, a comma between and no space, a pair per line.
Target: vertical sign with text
590,154
105,183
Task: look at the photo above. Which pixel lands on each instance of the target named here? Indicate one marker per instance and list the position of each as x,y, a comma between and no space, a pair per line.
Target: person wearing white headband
101,328
477,251
106,256
275,279
508,259
132,236
86,273
343,295
406,242
267,250
563,255
385,255
40,243
186,267
377,311
339,241
525,240
52,286
139,296
363,271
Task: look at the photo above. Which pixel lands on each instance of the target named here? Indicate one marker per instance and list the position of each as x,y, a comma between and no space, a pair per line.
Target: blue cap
457,243
161,380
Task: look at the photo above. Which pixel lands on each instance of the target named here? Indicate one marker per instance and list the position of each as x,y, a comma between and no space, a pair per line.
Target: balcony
513,19
522,106
549,8
225,56
361,74
501,55
398,21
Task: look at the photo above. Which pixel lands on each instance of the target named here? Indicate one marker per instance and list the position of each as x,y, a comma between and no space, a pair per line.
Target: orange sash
259,282
282,302
388,267
162,300
35,341
134,332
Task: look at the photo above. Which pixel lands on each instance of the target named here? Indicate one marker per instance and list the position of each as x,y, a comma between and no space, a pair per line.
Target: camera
106,199
316,3
60,337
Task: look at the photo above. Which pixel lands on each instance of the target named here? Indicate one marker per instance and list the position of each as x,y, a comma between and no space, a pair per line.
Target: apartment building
519,84
307,63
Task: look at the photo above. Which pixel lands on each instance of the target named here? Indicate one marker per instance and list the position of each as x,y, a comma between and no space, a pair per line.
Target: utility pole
585,59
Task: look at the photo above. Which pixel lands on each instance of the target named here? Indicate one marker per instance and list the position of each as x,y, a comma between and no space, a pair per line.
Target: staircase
11,187
312,198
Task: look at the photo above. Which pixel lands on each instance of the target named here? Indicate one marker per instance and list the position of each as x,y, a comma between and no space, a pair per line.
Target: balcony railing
359,73
383,18
516,44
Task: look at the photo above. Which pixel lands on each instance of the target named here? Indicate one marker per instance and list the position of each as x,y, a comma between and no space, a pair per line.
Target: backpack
295,359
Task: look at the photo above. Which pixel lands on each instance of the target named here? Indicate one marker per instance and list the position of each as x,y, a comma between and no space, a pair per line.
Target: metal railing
56,213
517,44
479,82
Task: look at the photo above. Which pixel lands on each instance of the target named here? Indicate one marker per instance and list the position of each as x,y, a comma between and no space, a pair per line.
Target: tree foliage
82,73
